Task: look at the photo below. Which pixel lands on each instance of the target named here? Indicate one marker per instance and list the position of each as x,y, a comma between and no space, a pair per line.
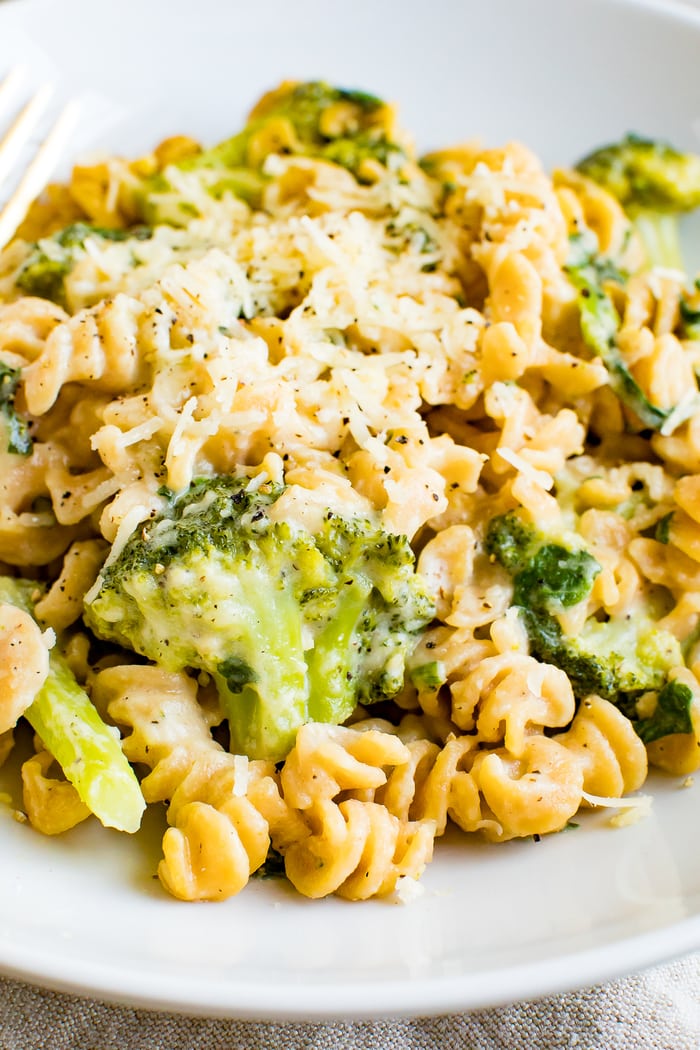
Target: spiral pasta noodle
357,847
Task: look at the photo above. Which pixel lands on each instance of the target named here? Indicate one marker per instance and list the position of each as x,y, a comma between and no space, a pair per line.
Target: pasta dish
346,493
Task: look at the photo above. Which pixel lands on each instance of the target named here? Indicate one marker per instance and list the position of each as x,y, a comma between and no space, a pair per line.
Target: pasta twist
24,663
209,853
29,532
98,346
437,784
328,760
25,325
683,527
62,605
356,848
613,759
508,696
493,791
535,793
51,803
217,837
600,212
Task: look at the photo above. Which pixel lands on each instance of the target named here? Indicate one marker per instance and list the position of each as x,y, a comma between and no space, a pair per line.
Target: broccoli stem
265,711
331,662
70,727
87,750
660,235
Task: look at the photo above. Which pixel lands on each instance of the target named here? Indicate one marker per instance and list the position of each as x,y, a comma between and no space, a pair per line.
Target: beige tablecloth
655,1010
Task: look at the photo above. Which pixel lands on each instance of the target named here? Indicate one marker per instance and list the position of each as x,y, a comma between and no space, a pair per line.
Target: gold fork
25,184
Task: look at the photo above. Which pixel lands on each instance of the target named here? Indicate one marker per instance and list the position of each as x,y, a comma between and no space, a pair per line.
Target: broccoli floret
292,626
52,258
511,541
655,183
555,579
546,575
232,166
671,714
600,325
619,659
429,675
18,437
305,105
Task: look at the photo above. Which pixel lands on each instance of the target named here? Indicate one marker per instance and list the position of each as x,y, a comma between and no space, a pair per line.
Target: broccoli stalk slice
267,624
332,660
88,750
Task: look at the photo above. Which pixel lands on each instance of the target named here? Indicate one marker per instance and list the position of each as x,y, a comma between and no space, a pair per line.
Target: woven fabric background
656,1010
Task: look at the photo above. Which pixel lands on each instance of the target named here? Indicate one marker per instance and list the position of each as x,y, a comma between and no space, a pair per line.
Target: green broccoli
229,167
552,574
671,714
619,659
600,325
51,259
18,437
71,729
689,309
655,184
429,676
292,626
662,531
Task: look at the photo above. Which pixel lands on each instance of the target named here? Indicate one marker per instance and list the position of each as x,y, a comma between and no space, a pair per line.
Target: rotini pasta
480,515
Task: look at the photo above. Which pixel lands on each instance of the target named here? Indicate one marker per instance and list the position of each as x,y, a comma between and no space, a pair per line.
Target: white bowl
495,923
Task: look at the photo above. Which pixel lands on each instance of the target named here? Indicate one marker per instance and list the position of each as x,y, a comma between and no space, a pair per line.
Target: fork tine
18,134
37,173
7,87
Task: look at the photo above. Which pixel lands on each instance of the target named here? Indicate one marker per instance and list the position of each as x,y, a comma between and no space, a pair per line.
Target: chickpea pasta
347,495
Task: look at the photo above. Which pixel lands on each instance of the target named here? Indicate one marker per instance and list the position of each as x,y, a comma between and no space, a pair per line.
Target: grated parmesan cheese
407,890
241,775
631,809
538,477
